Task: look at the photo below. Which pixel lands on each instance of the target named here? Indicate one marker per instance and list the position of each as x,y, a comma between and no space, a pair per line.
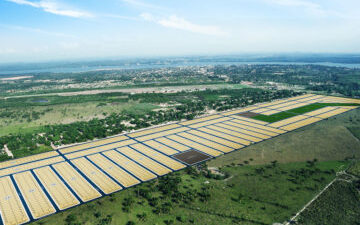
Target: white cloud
53,7
307,5
182,24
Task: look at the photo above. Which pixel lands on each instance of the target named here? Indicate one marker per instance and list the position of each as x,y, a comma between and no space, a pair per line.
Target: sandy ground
16,78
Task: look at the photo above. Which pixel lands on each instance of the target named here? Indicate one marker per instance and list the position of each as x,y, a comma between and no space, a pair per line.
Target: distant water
147,66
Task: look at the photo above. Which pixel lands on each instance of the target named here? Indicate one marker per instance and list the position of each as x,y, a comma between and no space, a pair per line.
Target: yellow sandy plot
113,170
145,161
294,106
269,104
39,205
270,112
285,104
332,99
130,166
153,130
315,97
92,144
11,208
160,147
15,162
252,131
81,187
99,149
301,123
210,122
250,120
265,128
61,195
95,175
261,110
167,161
222,141
161,134
206,142
239,137
195,145
320,111
28,166
334,112
240,110
200,119
300,97
289,120
173,144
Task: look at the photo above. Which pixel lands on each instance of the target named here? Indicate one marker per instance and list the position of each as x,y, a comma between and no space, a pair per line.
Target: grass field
242,198
68,113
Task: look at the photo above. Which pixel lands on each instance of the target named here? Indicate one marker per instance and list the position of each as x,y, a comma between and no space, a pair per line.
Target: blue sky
45,30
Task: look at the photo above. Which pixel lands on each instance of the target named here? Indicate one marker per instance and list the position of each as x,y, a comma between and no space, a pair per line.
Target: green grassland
297,111
242,198
66,113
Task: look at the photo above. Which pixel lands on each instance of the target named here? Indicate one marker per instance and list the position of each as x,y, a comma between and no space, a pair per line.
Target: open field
68,113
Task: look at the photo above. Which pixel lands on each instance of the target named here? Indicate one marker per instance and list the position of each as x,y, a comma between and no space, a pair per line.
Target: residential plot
134,168
334,112
250,120
58,191
200,120
301,123
270,112
210,122
206,142
35,198
222,141
191,144
262,127
253,131
92,144
29,166
113,170
77,183
162,134
99,149
233,112
11,209
153,130
160,147
99,178
145,161
231,133
28,159
288,121
173,144
320,111
165,160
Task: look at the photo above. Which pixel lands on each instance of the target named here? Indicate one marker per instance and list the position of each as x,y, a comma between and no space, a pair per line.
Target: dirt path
8,152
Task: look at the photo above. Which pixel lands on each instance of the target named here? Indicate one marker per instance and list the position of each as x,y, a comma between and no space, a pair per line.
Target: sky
48,30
